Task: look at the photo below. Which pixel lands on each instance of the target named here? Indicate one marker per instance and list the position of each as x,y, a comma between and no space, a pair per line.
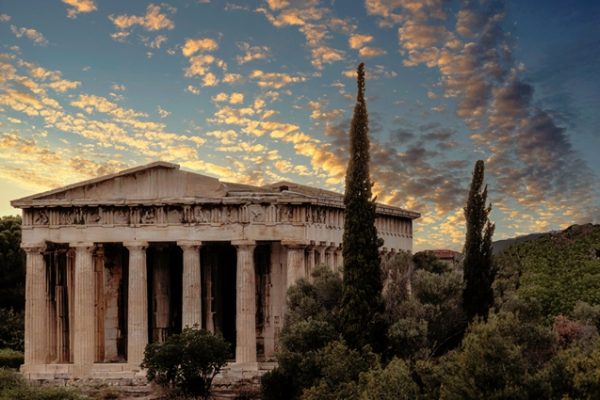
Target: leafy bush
10,358
394,382
431,321
188,361
14,387
12,264
426,260
311,323
12,329
498,360
10,379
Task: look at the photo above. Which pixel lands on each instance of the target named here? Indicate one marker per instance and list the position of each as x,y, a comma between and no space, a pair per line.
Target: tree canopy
478,295
361,295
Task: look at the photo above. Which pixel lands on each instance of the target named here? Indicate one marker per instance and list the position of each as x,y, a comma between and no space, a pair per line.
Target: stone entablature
116,261
210,213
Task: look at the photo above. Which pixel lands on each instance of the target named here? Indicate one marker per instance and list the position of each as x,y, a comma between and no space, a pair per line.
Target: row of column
36,318
301,260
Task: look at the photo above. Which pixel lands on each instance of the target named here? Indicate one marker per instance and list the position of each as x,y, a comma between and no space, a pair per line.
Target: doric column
329,256
321,250
337,257
137,307
84,340
310,261
191,285
295,261
36,324
245,319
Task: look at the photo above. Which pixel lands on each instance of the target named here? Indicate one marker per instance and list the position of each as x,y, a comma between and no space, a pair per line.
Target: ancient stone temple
122,260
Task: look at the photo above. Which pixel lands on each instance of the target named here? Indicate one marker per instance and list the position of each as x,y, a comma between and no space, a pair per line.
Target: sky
262,91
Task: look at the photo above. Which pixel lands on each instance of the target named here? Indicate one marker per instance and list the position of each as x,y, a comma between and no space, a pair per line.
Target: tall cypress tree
478,296
361,294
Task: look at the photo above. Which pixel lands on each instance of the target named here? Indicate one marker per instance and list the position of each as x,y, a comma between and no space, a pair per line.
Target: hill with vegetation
499,246
552,272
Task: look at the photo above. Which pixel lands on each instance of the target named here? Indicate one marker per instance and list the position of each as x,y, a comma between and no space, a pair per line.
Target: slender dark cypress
362,285
478,295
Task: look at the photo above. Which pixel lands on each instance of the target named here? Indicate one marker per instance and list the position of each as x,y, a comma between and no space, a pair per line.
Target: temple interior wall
115,278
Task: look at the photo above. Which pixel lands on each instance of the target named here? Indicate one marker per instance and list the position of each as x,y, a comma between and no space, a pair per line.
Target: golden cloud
192,46
79,7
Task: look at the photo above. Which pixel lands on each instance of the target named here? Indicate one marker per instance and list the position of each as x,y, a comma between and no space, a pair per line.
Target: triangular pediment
156,181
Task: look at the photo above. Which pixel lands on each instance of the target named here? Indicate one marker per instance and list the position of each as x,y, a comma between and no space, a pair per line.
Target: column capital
33,247
136,245
244,243
294,244
189,244
82,245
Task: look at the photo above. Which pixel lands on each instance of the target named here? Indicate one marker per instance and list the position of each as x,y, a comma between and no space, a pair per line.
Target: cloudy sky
257,92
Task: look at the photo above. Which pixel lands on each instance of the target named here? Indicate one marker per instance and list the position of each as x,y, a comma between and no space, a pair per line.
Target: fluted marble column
84,340
245,320
329,256
295,261
191,285
36,324
310,259
137,307
321,250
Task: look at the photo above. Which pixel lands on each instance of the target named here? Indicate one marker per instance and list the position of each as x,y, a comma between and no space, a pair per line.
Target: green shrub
188,361
14,387
40,393
392,383
12,329
10,358
10,379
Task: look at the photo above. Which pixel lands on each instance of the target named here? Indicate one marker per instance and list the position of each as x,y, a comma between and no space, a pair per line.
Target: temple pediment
156,181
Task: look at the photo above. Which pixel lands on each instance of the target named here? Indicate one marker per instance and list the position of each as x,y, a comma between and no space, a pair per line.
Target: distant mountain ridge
500,245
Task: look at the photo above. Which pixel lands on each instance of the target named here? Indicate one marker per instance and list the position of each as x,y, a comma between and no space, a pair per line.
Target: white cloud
63,85
162,112
153,20
252,53
358,41
118,87
31,34
192,89
192,46
79,6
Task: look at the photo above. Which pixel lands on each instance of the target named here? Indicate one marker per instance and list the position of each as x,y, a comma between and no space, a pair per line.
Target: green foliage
362,306
397,272
12,264
431,321
312,322
497,360
14,387
552,273
478,295
12,284
10,358
12,329
188,361
587,313
427,261
574,373
339,368
394,382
